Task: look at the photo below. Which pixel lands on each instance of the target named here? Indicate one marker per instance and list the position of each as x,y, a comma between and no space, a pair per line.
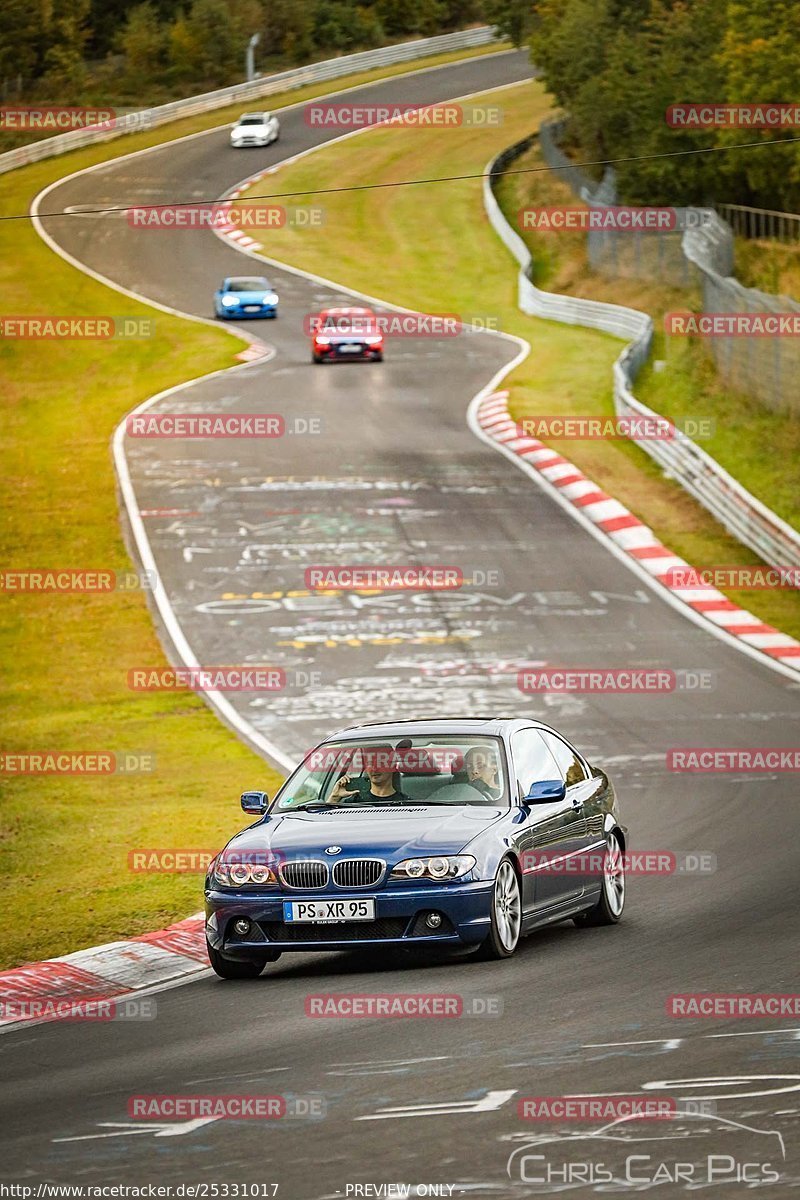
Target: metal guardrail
741,513
759,223
245,93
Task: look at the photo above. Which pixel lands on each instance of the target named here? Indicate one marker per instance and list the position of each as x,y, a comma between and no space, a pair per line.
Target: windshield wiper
309,806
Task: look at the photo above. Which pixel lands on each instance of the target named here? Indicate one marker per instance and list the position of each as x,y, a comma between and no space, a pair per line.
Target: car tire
609,907
378,358
317,358
505,914
231,968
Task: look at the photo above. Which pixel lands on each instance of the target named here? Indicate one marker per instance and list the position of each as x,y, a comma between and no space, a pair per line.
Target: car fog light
242,926
433,920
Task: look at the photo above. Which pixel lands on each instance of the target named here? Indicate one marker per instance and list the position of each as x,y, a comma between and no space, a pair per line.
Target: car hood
391,835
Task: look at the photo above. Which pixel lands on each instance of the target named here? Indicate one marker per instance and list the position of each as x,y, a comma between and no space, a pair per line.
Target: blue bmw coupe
454,833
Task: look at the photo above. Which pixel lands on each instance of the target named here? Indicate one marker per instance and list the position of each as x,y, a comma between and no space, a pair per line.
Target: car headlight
229,301
237,874
440,867
322,341
271,298
373,341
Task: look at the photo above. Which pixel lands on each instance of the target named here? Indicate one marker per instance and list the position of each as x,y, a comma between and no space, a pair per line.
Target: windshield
247,285
448,769
252,121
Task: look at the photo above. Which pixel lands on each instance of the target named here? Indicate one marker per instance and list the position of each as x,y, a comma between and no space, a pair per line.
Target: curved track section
397,475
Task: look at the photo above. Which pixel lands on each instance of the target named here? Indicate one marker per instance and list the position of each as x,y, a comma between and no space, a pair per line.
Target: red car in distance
346,333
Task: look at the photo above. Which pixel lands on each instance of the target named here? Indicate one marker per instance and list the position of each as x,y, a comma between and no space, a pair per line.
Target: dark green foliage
617,65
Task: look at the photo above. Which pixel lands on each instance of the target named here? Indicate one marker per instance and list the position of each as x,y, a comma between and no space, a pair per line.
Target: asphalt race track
395,475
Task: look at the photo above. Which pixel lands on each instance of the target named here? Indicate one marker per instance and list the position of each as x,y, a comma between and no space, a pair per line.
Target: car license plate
252,307
349,349
328,912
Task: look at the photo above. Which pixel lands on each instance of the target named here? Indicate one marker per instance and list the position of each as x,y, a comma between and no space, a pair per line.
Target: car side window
569,765
533,761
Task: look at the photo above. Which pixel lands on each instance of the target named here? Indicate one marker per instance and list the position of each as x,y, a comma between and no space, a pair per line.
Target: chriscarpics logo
689,1149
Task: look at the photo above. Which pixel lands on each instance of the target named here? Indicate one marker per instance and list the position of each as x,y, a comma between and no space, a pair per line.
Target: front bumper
242,312
339,354
400,914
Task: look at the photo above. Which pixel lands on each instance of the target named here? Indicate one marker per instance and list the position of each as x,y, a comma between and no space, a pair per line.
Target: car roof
238,278
260,115
494,726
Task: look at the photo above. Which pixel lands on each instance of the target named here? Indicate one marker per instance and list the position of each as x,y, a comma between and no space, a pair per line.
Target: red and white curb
57,987
632,537
232,232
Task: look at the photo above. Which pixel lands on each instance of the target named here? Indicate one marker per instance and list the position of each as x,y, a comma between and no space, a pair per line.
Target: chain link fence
700,255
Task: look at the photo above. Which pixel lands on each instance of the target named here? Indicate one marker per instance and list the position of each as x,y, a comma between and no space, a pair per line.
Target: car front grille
357,872
304,876
342,931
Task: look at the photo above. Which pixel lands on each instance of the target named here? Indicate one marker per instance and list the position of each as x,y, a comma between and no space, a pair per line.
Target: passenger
481,768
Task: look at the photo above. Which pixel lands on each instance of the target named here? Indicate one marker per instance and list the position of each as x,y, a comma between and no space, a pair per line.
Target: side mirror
255,802
546,791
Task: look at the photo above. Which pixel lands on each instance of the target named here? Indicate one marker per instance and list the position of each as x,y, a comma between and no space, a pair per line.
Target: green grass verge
438,253
64,841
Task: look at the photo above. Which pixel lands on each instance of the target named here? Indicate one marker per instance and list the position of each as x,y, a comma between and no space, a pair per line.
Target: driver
377,783
481,767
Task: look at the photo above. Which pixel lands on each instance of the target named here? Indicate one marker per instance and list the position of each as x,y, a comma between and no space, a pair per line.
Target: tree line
616,66
106,51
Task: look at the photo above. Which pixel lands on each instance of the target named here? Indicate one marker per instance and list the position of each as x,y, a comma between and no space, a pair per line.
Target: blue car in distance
462,833
245,296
